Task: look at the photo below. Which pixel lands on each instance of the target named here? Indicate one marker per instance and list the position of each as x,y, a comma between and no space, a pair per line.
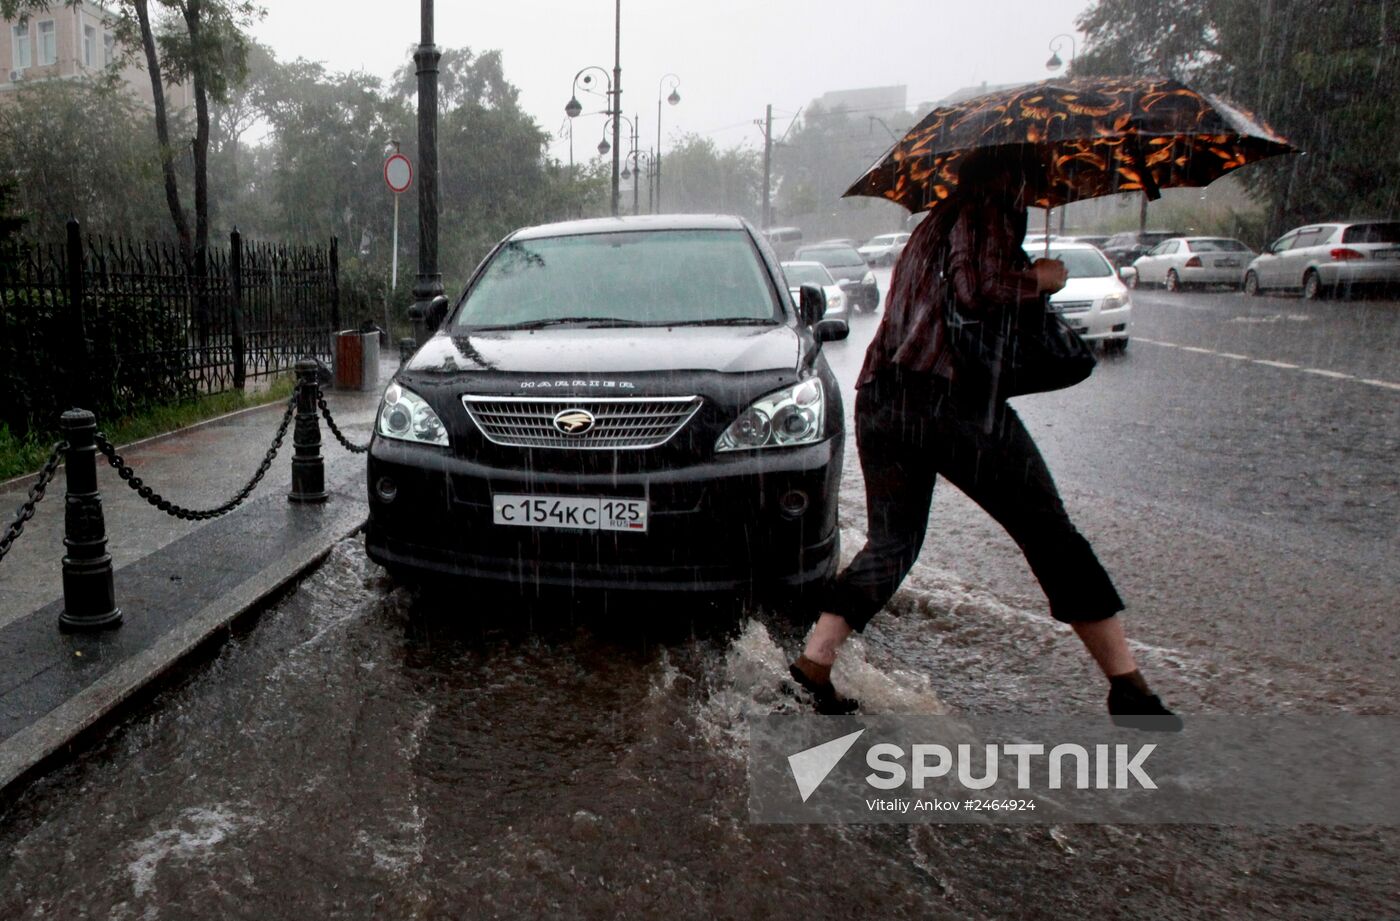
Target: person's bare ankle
816,672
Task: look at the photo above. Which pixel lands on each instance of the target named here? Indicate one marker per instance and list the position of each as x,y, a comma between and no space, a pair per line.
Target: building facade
74,43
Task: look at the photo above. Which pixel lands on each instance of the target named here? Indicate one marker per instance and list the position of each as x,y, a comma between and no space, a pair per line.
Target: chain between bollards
335,429
36,495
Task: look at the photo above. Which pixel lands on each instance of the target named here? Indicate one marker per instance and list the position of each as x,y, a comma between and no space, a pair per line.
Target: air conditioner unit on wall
15,76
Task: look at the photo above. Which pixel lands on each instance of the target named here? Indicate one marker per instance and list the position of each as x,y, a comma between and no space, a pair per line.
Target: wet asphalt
372,752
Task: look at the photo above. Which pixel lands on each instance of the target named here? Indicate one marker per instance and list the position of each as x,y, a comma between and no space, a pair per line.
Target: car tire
1313,289
1115,346
1251,285
1173,282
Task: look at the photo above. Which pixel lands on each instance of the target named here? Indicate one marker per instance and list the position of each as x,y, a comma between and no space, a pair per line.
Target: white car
1182,261
884,249
814,273
1321,259
1094,301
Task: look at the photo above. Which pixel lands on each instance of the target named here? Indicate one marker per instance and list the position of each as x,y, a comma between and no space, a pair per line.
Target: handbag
1017,351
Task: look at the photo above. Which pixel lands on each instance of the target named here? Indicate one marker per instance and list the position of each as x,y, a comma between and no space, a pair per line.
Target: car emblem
574,421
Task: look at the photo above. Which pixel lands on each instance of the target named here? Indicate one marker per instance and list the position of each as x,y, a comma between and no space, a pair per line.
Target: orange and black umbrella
1098,135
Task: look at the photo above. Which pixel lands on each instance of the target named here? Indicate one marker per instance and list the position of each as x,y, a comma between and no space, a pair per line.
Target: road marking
1269,362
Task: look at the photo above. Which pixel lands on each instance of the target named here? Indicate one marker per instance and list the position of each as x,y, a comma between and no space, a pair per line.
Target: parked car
1092,239
1321,259
784,240
622,403
1123,248
849,270
884,249
814,273
1183,261
1094,301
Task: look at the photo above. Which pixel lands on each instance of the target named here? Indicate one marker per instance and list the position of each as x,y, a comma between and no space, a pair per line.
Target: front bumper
713,526
865,297
1095,324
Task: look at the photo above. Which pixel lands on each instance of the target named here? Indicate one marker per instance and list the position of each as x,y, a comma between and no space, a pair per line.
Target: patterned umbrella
1099,135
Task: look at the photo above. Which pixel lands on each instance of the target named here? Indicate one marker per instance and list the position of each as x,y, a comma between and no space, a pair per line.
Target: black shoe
1131,708
825,698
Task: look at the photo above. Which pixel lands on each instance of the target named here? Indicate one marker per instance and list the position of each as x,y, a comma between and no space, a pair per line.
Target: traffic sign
398,173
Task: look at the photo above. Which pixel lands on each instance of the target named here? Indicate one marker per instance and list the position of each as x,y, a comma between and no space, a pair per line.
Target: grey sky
732,56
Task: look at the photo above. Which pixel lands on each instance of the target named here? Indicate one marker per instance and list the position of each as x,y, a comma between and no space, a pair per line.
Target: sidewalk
177,582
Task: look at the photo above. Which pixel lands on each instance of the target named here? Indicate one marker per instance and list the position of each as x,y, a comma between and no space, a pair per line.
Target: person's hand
1050,275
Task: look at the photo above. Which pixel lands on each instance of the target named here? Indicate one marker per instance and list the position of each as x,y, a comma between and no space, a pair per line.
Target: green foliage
698,177
1321,72
85,150
136,357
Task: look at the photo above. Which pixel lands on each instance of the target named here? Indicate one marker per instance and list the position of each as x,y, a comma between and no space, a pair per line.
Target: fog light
387,489
793,503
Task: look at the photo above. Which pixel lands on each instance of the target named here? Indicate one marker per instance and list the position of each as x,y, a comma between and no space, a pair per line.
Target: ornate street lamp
673,99
427,288
573,108
1055,44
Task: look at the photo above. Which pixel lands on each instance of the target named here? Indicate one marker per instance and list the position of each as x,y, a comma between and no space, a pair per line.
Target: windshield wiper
724,321
565,321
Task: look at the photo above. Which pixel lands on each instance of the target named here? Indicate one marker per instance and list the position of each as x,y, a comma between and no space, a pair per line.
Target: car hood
725,349
848,272
1088,289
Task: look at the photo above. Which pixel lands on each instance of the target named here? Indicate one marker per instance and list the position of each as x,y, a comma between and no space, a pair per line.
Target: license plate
1227,263
1387,254
582,513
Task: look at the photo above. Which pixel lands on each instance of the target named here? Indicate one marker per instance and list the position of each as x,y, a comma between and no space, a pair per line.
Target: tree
46,144
1321,72
700,177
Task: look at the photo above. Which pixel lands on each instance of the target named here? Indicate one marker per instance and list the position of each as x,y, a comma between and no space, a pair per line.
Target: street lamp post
1054,63
639,160
673,99
574,108
428,286
604,147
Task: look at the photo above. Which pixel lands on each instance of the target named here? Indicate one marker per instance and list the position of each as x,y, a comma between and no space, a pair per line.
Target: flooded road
368,751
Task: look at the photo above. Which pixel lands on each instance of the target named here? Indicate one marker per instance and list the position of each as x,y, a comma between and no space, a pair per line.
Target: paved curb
26,754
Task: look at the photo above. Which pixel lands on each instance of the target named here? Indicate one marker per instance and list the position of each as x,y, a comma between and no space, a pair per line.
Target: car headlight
869,279
1113,302
835,301
795,415
406,416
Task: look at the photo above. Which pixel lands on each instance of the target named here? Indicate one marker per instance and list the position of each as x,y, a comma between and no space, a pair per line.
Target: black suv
1124,248
618,403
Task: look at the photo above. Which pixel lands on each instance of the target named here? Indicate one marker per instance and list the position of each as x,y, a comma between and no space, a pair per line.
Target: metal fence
116,324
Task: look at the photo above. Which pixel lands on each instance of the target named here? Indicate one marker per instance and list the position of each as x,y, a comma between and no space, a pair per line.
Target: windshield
834,257
1082,263
651,278
806,275
1217,246
1388,232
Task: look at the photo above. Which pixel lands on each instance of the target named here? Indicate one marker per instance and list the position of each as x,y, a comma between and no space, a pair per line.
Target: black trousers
910,429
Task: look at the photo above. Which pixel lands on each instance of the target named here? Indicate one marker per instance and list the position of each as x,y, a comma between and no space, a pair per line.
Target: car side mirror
1127,272
811,304
831,330
437,312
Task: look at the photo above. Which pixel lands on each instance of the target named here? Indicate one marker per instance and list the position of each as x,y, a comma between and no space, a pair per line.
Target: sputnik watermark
1222,770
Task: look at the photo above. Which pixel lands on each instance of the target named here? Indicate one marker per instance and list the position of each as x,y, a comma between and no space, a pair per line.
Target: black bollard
89,597
407,346
308,468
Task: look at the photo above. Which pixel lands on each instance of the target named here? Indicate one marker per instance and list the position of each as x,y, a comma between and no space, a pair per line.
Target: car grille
1072,306
619,423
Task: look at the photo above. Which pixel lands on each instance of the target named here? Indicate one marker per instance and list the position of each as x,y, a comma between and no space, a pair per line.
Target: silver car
1321,259
1183,261
884,249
